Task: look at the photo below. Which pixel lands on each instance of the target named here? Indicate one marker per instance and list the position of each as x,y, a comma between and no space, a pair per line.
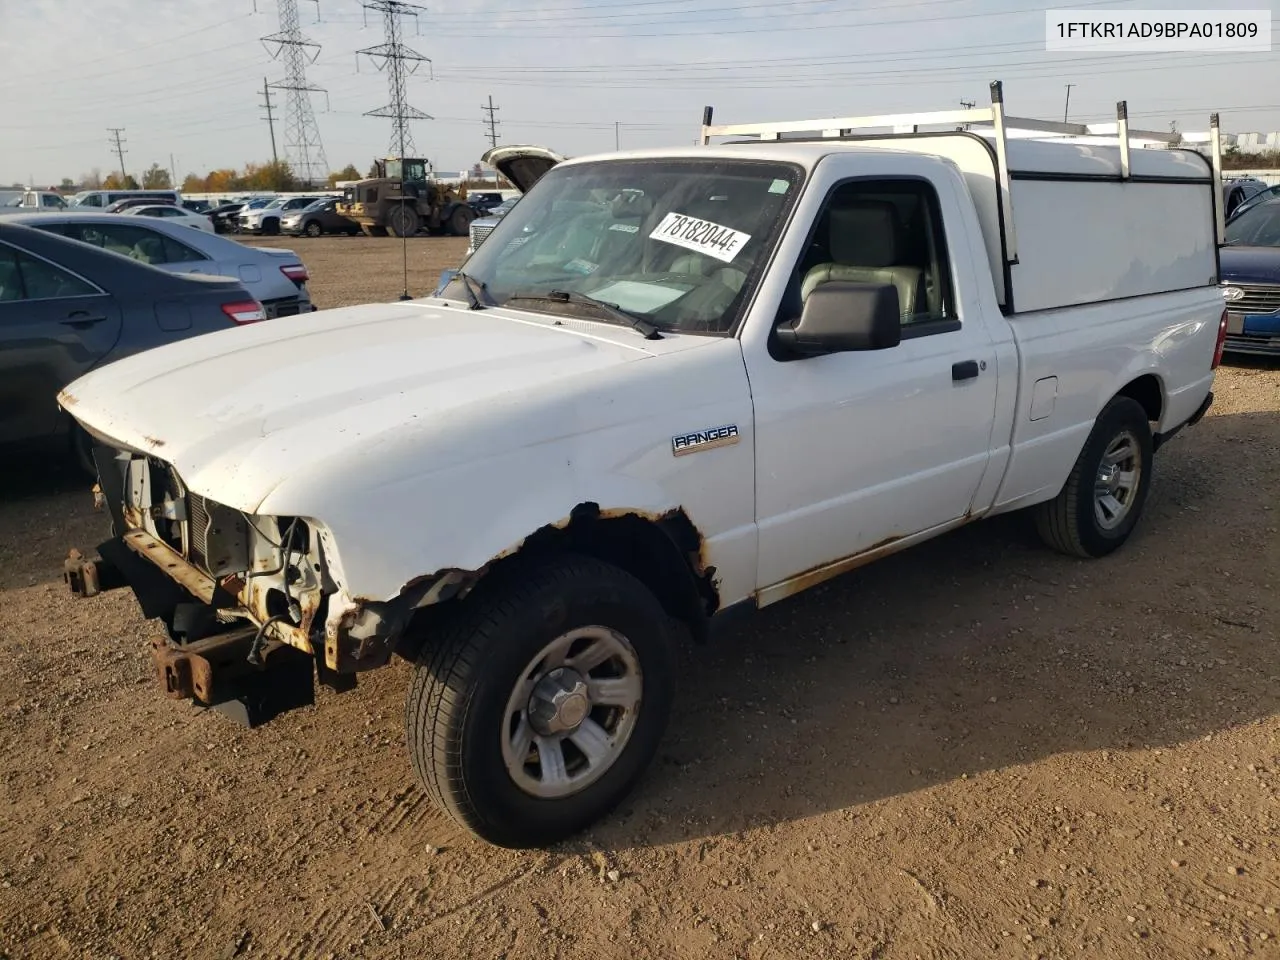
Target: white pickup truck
672,385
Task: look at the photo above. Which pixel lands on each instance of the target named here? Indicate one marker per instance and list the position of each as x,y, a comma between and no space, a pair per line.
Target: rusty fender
362,633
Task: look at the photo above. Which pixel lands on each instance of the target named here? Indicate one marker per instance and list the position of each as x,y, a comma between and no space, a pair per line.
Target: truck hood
240,411
1249,264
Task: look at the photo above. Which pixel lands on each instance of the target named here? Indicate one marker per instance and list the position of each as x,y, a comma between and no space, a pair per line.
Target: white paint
421,436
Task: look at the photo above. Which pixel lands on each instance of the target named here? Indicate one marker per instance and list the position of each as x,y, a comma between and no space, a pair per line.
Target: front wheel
539,707
314,229
1103,498
460,221
403,222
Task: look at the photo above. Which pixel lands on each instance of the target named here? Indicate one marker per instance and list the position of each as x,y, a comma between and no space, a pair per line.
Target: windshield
676,242
1259,226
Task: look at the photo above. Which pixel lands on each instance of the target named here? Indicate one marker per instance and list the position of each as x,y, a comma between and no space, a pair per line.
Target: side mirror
840,315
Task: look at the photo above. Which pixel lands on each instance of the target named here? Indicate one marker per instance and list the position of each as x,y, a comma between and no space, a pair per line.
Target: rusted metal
214,669
203,587
81,575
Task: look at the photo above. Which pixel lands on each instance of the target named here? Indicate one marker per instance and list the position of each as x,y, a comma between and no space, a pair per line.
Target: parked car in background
66,309
266,219
484,200
126,203
104,198
225,216
482,227
37,200
174,214
318,218
198,206
1268,193
276,278
1238,191
1250,278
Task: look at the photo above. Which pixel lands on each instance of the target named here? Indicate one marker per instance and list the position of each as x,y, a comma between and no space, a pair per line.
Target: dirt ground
975,749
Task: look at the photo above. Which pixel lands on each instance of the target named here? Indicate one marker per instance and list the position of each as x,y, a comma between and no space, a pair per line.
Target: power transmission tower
271,125
119,143
302,146
399,61
492,121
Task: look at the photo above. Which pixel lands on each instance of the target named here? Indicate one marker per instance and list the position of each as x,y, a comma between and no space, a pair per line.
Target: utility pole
271,125
119,143
1067,106
617,135
173,172
302,147
968,105
491,122
392,55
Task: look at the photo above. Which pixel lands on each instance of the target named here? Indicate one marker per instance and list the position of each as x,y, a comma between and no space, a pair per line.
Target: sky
184,77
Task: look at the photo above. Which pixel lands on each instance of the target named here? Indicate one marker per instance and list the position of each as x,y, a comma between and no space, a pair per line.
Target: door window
139,243
10,278
890,232
27,278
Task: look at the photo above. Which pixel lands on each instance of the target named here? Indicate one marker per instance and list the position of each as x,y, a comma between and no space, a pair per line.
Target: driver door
859,449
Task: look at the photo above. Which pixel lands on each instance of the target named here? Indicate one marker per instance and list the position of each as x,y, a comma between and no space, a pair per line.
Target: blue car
1251,279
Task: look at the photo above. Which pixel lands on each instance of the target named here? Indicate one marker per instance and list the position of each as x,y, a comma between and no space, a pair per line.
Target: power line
491,122
120,151
392,56
302,145
271,125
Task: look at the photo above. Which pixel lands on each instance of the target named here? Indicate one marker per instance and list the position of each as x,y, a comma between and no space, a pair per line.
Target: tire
402,222
460,221
469,699
313,228
1076,522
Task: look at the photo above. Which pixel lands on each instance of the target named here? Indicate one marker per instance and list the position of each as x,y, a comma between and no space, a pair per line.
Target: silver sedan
276,278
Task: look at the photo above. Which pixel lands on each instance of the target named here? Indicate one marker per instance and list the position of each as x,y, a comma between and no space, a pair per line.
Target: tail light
1222,341
296,272
244,311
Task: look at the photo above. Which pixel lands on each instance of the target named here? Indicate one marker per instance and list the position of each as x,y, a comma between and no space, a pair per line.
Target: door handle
82,319
964,370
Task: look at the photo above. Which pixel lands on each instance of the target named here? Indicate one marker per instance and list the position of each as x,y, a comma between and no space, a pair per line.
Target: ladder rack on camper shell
842,128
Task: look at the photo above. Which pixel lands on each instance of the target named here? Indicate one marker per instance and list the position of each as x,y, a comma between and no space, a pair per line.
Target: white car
172,213
266,220
276,278
671,386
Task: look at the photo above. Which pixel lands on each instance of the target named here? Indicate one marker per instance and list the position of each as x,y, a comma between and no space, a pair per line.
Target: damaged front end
253,605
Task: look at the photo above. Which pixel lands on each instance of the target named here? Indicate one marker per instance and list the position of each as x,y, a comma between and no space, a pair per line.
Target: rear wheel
541,705
313,229
403,222
1107,488
460,221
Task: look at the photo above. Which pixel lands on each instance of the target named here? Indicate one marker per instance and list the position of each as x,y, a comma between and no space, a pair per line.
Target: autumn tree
194,183
156,177
222,181
114,181
275,175
349,172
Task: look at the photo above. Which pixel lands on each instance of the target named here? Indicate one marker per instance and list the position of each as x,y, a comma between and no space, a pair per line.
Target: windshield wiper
475,289
614,313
